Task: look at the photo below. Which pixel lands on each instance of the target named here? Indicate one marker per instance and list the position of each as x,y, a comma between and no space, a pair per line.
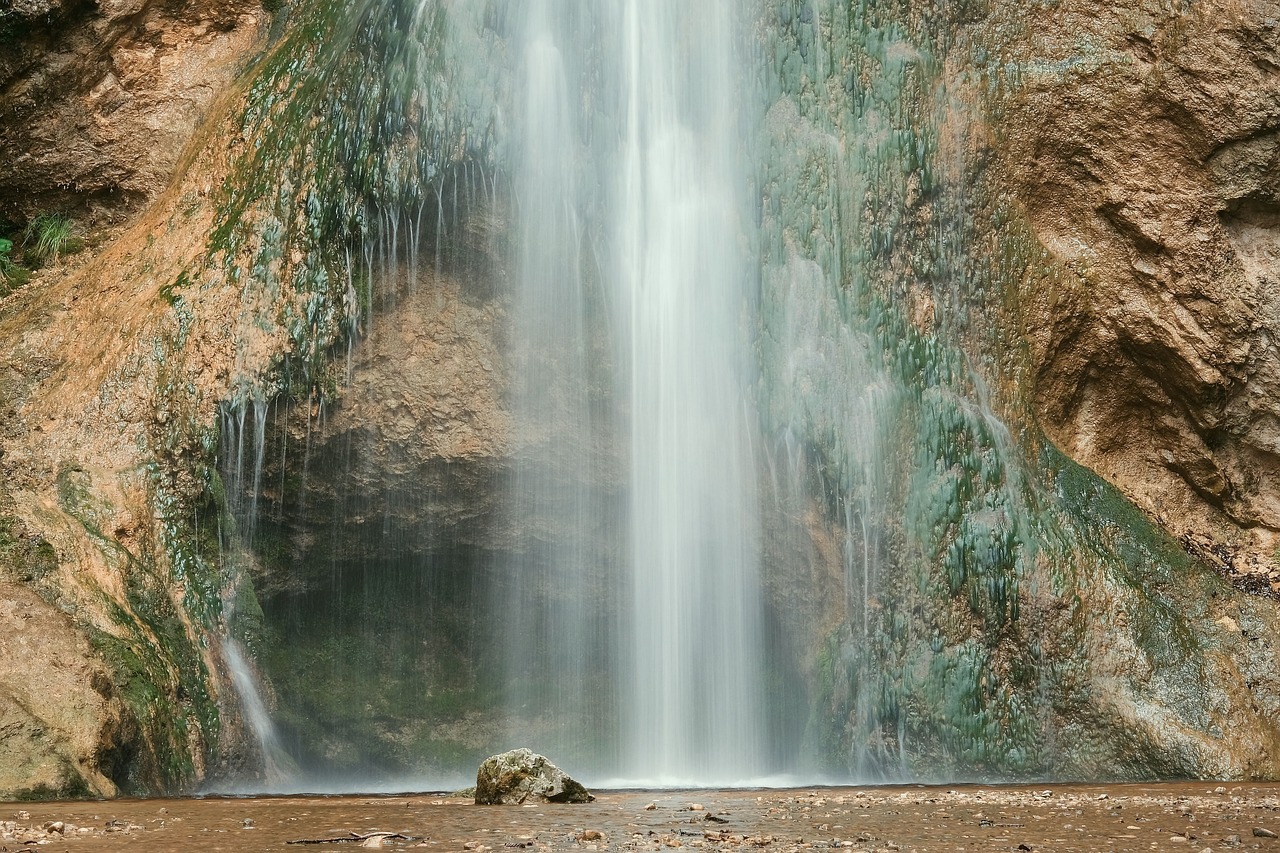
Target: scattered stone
1259,832
513,777
696,807
650,807
591,835
1219,790
56,827
247,823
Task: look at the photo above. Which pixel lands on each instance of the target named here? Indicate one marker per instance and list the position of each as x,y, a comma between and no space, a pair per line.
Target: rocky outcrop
66,731
1144,146
521,775
113,693
412,453
99,100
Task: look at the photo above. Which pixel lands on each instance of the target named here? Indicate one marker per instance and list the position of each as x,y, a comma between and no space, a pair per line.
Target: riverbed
1195,817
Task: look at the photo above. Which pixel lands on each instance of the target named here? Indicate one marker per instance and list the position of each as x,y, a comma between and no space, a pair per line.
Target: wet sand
1179,817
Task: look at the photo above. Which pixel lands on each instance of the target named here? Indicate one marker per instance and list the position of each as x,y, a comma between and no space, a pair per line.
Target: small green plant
47,237
11,274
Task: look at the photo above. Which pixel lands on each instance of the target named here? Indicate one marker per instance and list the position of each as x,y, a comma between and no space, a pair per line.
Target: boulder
514,777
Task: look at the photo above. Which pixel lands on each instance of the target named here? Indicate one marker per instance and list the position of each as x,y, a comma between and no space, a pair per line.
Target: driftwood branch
353,837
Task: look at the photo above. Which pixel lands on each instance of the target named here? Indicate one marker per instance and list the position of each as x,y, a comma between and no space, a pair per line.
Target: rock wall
112,687
99,100
1004,612
1144,149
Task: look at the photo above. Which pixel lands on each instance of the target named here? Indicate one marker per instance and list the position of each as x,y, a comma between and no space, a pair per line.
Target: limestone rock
1149,172
99,100
511,778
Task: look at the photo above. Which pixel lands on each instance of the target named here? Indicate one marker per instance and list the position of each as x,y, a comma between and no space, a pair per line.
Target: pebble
1259,832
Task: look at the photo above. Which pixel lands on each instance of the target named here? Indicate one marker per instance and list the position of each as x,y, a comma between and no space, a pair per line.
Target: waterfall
594,591
694,681
647,148
625,255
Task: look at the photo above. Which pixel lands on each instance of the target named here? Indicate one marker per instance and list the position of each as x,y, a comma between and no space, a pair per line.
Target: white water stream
632,137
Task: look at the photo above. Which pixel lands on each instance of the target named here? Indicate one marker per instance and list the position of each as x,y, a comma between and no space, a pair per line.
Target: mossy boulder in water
513,777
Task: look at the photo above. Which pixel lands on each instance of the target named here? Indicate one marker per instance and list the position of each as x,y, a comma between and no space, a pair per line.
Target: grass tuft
47,237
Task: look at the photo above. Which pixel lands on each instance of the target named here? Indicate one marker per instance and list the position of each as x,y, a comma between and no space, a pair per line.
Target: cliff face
107,688
1137,149
1145,149
99,100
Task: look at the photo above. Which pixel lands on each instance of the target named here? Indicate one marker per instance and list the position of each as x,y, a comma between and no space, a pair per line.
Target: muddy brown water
1181,817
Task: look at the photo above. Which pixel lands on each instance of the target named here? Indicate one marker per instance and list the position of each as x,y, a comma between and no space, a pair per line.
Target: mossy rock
512,778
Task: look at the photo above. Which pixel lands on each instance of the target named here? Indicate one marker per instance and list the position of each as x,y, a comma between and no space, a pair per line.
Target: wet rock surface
1178,817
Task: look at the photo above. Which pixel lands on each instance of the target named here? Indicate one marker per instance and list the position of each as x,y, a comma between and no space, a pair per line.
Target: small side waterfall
277,768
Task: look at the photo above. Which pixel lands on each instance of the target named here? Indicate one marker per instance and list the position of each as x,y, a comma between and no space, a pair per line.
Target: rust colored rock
1148,171
99,100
